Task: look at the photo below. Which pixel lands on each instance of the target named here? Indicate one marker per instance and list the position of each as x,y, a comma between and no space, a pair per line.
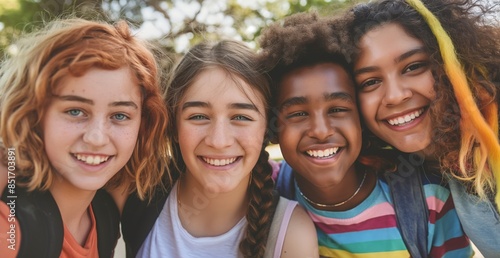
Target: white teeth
322,153
219,162
406,118
91,159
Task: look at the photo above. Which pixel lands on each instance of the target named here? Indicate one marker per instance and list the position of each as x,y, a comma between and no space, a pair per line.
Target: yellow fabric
473,123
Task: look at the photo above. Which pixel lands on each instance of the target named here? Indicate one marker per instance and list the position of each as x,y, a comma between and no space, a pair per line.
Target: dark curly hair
303,40
476,38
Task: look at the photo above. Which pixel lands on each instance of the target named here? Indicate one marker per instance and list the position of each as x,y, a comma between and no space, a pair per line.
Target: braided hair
239,60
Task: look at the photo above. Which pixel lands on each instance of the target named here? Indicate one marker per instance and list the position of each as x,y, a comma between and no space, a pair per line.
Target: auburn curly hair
463,40
72,47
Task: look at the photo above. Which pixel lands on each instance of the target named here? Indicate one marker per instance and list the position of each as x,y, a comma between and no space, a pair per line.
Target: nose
96,133
396,92
219,135
320,127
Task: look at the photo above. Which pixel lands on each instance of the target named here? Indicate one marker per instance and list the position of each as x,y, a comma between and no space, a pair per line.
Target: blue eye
120,117
242,118
74,112
197,117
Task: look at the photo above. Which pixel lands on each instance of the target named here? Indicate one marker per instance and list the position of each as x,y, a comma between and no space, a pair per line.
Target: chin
411,148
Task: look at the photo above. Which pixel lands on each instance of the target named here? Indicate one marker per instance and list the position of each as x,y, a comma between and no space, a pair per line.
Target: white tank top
169,239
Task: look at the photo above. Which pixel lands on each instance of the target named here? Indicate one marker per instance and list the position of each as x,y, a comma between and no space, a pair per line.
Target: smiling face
221,126
319,127
90,127
395,87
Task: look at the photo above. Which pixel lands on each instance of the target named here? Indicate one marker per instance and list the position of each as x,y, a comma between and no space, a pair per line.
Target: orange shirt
10,232
10,242
72,249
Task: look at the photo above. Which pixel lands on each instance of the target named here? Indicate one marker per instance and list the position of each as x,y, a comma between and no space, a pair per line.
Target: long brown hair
238,61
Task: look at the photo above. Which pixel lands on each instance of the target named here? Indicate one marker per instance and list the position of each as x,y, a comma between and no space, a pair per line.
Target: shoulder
300,238
10,233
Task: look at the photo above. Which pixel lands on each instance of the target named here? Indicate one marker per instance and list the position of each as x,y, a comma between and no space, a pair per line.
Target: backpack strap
412,213
139,217
40,221
107,219
284,181
279,224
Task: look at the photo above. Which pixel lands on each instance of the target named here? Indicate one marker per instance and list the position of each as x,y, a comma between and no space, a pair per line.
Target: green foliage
177,26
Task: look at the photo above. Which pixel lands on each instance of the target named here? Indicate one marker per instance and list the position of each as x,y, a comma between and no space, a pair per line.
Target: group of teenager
386,116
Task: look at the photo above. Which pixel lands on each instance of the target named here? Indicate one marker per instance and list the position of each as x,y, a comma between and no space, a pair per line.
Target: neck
346,194
205,213
73,205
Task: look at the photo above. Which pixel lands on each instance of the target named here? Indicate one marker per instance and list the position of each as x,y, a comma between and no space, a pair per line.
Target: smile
402,120
219,162
326,153
91,159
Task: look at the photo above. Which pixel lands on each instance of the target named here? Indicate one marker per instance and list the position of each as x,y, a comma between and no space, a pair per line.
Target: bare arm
301,240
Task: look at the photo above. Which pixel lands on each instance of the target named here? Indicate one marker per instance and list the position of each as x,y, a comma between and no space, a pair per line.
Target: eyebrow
91,102
327,96
292,102
190,104
243,106
339,96
202,104
396,60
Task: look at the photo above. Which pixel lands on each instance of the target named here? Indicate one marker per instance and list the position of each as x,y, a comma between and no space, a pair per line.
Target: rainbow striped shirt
370,230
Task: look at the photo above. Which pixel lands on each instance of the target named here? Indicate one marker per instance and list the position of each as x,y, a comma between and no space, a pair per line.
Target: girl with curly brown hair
428,81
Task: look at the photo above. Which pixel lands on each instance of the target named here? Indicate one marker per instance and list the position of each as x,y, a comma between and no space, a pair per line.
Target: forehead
316,80
100,84
387,39
217,86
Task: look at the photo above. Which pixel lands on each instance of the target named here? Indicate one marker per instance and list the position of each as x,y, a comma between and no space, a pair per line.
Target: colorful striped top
370,230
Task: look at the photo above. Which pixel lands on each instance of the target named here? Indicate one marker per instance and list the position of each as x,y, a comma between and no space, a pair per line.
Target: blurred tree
175,24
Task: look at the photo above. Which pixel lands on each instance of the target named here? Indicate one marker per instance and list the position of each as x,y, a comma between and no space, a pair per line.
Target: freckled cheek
251,138
126,137
56,130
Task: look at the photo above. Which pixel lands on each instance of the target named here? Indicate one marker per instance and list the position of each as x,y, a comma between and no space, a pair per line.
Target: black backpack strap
41,224
139,217
107,219
412,213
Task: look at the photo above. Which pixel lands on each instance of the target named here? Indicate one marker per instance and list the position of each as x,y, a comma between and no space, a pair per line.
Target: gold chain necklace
336,204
